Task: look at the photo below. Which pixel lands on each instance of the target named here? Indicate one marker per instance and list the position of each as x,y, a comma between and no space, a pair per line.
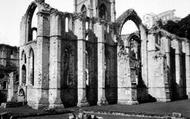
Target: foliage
180,28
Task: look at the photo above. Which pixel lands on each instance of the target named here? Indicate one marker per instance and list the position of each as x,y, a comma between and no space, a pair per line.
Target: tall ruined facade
81,58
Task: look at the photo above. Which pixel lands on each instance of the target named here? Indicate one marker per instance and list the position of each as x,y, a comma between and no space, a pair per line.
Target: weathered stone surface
83,59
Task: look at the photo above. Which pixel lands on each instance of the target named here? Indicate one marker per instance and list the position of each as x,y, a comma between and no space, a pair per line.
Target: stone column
55,62
113,12
144,55
167,45
42,64
82,99
23,31
178,67
11,97
187,59
101,64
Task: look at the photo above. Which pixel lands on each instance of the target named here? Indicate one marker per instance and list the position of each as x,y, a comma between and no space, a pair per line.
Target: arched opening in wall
31,67
129,27
131,33
31,21
90,75
23,57
102,11
87,37
110,75
34,33
86,57
86,25
66,24
23,75
84,10
69,74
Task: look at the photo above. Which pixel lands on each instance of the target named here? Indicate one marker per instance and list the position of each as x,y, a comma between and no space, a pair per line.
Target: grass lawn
158,109
182,107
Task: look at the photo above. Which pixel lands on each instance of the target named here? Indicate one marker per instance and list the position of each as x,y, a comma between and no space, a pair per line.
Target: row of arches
102,11
31,20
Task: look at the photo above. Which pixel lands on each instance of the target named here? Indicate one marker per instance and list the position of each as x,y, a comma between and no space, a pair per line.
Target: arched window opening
87,67
102,11
31,20
24,75
135,48
31,67
21,92
34,33
66,24
68,66
129,27
86,25
23,57
87,37
84,10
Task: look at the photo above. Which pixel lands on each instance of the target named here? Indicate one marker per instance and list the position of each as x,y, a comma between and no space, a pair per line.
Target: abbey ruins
83,59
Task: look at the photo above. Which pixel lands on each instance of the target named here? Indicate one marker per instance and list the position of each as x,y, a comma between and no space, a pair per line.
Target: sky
11,12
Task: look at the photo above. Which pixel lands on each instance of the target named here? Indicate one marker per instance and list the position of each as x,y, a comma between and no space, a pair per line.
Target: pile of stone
83,116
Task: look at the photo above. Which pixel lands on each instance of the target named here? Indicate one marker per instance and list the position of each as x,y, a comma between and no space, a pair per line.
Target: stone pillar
187,59
11,97
144,54
101,64
113,12
166,43
178,67
55,62
23,31
152,65
42,74
82,99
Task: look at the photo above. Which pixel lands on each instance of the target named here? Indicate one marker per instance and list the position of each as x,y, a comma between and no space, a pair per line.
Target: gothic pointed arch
23,56
84,10
31,66
130,15
29,17
135,36
102,11
23,75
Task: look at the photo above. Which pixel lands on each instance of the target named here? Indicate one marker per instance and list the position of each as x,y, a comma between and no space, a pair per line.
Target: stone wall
82,59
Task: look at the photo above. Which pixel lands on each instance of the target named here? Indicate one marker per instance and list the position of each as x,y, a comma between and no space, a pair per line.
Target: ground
147,109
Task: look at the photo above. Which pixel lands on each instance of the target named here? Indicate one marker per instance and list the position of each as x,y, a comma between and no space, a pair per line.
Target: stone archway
29,17
127,77
31,67
23,75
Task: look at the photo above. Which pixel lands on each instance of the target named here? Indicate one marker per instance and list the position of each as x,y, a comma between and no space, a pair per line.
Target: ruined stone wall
80,60
9,62
69,72
111,73
91,48
124,73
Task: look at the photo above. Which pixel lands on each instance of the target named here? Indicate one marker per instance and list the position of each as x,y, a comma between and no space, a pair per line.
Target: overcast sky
11,12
